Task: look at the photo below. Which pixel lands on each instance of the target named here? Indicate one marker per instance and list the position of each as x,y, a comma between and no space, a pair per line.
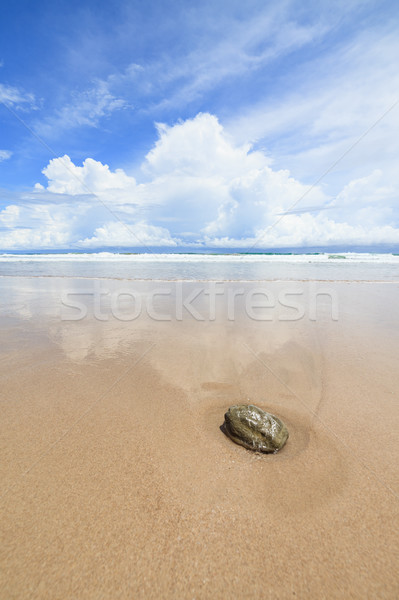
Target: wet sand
118,483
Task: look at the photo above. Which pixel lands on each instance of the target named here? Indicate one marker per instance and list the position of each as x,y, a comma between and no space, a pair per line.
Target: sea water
348,266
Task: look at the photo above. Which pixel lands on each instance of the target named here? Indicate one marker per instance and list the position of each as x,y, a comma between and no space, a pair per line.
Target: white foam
344,258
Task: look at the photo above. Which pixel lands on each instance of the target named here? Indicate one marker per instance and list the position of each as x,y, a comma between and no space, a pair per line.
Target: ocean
349,266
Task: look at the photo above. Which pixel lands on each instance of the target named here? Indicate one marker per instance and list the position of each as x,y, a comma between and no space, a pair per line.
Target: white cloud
197,187
239,47
92,178
85,108
33,240
5,155
199,147
370,200
212,186
325,108
34,227
9,216
137,234
237,43
13,96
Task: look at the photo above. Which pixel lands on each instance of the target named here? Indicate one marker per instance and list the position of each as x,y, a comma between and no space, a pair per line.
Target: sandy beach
117,481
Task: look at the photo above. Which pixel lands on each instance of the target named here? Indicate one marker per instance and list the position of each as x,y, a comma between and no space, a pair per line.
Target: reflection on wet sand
119,483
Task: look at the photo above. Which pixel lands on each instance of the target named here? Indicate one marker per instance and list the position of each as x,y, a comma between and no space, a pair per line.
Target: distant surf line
159,280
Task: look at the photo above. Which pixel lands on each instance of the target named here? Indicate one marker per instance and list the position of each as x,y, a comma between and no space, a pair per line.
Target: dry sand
118,483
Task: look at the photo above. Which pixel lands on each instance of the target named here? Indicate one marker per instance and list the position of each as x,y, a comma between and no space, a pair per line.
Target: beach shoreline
117,481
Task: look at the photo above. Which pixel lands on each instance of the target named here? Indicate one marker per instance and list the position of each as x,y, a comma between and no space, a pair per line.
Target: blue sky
212,124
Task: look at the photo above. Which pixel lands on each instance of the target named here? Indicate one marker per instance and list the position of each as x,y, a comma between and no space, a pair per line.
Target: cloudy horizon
199,127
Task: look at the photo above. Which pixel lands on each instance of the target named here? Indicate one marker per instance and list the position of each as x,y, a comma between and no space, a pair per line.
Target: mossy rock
255,429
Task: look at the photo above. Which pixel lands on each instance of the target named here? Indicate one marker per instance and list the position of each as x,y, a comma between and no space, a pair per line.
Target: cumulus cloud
138,234
64,177
197,187
34,227
199,147
10,215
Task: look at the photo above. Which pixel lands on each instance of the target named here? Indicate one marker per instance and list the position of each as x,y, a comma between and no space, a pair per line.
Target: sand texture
117,481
